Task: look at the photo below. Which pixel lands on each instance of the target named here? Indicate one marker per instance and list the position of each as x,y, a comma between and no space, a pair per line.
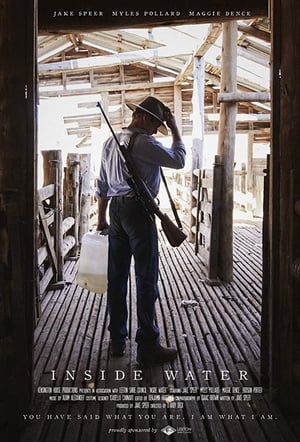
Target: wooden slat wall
284,219
17,201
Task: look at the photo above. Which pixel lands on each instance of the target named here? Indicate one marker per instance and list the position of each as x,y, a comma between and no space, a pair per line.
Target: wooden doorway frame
20,139
18,209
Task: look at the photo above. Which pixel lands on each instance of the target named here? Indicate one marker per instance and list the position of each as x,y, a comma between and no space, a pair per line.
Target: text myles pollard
149,13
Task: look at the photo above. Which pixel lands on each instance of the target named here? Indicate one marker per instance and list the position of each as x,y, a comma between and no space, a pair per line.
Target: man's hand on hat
170,119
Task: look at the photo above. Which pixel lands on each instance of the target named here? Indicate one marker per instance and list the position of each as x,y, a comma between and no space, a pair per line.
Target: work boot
157,355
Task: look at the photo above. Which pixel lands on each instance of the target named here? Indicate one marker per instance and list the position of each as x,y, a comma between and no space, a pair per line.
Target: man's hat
155,108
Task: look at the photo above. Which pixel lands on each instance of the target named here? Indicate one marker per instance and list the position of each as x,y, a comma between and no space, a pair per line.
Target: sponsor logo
168,430
184,430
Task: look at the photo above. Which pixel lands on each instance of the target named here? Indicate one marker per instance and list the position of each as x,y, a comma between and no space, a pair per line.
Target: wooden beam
178,107
284,221
242,83
85,198
250,164
46,192
122,81
97,62
213,33
242,117
18,203
51,46
227,97
186,71
49,240
107,88
254,32
226,147
53,175
197,136
124,41
263,60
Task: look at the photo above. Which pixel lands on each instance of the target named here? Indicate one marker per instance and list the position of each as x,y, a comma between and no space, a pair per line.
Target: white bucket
92,271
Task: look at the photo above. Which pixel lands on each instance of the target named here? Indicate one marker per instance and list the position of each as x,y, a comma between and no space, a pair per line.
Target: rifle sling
129,150
171,200
131,142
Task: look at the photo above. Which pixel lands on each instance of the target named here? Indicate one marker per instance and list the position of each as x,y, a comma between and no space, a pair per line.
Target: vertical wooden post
213,266
178,107
226,146
71,194
198,124
105,102
250,171
53,175
122,81
85,204
284,221
266,320
243,178
271,321
18,195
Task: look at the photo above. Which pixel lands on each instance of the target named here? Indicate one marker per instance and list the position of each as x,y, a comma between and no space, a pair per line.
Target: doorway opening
216,345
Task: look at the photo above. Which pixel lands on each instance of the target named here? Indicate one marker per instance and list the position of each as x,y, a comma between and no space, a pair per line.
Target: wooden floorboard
214,328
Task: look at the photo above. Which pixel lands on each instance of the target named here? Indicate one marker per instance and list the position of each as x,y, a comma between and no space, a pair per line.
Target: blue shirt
148,154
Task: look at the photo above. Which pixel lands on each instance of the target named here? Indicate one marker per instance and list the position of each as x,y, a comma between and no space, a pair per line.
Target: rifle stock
174,235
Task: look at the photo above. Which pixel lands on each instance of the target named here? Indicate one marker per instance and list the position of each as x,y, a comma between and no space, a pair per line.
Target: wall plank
283,282
17,205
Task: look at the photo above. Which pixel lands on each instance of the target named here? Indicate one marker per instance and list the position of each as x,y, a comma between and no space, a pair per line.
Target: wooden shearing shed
60,50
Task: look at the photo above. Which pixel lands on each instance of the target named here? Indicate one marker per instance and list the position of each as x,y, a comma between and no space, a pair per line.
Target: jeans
132,233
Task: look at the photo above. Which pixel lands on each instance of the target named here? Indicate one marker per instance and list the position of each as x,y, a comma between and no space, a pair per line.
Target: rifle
173,233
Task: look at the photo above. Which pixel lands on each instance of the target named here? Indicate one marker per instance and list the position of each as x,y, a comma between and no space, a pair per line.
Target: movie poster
212,391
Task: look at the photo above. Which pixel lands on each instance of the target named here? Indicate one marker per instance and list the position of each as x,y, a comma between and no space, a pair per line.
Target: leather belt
123,198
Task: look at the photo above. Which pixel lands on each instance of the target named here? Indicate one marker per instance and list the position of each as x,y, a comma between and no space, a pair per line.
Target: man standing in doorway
132,232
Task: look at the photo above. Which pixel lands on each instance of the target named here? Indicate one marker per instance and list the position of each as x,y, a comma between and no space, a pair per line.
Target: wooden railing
48,256
53,237
64,215
205,216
